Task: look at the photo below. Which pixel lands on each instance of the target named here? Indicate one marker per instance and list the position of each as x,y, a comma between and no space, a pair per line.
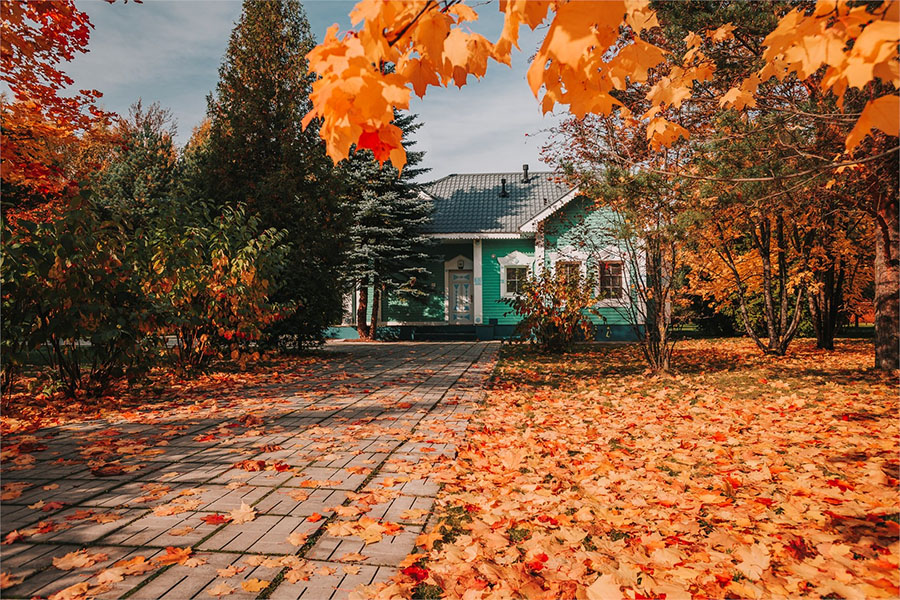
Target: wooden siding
492,307
430,309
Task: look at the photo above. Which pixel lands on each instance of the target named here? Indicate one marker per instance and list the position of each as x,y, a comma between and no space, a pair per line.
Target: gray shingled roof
471,203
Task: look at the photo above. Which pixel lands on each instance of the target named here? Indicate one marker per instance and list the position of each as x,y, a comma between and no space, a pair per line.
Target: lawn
742,476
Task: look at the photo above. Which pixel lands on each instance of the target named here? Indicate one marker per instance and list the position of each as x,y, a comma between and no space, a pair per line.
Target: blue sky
170,51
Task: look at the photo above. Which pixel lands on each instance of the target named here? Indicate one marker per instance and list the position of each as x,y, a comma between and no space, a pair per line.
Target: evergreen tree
388,242
141,169
257,153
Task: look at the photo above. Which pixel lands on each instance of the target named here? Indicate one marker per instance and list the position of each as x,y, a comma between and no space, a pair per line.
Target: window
611,280
568,271
515,279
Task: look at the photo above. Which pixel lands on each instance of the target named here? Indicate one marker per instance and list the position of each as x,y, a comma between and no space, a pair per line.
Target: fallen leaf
174,556
230,571
7,581
244,514
254,585
73,592
222,589
352,557
216,519
79,559
605,587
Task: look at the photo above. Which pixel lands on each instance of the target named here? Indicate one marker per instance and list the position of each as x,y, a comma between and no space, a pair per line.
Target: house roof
472,203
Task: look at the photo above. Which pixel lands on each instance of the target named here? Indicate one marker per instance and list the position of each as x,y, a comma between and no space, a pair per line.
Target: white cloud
170,52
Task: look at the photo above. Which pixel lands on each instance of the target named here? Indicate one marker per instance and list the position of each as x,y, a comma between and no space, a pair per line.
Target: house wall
571,226
492,307
585,228
432,308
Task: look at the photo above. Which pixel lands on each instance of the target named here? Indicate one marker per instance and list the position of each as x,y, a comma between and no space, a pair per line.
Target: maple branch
409,25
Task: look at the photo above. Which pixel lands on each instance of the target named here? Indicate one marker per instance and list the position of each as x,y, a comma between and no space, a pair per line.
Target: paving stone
336,586
261,478
392,510
84,531
413,487
281,502
361,406
267,534
19,517
188,472
152,530
338,479
42,579
181,582
388,552
71,491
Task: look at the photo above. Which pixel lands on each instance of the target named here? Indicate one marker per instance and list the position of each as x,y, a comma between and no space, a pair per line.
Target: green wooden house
490,230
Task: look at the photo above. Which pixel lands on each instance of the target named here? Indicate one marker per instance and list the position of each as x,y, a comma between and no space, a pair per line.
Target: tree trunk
376,304
362,306
826,304
887,284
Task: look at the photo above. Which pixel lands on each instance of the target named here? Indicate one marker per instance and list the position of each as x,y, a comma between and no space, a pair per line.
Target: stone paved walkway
361,428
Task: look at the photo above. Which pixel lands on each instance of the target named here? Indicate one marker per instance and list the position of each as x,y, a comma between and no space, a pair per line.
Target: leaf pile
746,476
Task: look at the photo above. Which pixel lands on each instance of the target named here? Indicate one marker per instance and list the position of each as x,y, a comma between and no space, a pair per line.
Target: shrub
555,312
71,293
210,279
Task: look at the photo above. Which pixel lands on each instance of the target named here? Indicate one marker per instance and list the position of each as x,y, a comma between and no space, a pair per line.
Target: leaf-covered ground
34,405
744,476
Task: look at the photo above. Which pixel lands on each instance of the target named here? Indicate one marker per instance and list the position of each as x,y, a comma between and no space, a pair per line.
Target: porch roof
473,203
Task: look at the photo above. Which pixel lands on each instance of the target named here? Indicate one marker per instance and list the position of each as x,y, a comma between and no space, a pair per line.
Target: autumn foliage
582,61
38,120
741,478
555,311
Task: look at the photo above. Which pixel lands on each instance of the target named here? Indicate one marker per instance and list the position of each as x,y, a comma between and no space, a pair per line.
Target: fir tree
257,153
388,242
141,170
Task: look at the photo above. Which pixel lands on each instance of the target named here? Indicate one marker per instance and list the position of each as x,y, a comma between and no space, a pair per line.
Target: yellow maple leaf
882,113
254,585
605,587
427,540
754,560
244,514
78,560
7,581
352,557
221,589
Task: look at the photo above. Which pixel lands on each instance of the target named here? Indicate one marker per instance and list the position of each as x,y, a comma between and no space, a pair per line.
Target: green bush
210,280
555,312
71,292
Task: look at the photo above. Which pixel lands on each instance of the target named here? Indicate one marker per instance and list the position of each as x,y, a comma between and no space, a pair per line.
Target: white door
461,289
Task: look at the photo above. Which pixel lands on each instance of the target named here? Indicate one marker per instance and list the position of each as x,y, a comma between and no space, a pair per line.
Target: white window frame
613,254
514,259
568,254
613,300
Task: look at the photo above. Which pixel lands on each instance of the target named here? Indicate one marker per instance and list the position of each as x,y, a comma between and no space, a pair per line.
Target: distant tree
257,153
387,230
142,168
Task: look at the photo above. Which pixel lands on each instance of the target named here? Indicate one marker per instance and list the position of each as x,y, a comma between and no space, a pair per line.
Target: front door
461,289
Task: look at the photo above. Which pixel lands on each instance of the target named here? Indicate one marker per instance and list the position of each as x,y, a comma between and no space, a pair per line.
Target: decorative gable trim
513,259
531,225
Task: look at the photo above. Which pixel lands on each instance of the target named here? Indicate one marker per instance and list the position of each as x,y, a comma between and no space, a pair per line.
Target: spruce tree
257,153
387,232
141,170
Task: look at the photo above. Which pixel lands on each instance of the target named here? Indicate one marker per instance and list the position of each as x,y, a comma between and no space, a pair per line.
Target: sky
169,51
